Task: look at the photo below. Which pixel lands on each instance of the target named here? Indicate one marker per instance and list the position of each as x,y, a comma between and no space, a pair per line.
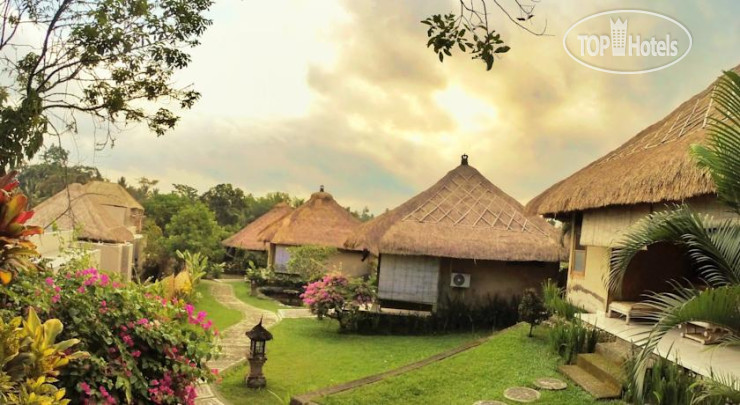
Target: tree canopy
104,59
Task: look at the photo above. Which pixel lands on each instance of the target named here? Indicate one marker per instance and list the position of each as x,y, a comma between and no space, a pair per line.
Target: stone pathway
234,345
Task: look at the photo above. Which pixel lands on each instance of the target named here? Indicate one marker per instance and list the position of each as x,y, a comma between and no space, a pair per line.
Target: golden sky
345,94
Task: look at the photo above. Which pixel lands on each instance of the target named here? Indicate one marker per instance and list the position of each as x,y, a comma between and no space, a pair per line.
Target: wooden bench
630,309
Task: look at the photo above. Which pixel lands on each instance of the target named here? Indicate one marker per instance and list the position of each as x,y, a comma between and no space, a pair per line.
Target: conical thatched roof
246,238
655,166
83,208
461,216
319,221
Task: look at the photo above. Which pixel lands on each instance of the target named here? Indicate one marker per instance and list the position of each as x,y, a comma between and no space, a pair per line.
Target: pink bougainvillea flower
49,281
85,388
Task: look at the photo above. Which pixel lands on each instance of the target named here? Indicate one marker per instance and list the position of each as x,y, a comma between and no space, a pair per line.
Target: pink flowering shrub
335,292
143,349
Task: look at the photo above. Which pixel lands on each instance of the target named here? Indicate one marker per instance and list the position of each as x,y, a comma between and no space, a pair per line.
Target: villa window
578,265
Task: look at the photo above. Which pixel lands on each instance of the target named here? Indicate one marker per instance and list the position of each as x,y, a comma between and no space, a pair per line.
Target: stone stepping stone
553,384
487,402
521,394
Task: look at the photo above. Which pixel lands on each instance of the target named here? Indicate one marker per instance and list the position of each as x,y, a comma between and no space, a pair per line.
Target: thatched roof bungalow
649,171
100,214
320,221
247,237
463,236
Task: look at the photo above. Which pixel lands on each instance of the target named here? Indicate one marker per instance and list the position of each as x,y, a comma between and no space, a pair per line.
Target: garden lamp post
258,337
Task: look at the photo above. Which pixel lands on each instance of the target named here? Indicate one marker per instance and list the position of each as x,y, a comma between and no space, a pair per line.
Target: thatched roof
319,221
107,193
653,167
83,208
465,216
246,238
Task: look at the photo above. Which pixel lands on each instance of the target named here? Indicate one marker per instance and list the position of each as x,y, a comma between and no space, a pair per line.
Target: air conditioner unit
460,280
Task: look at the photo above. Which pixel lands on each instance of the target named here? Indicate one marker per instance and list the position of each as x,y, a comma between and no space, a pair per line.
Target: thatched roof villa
247,237
320,221
102,214
602,200
463,236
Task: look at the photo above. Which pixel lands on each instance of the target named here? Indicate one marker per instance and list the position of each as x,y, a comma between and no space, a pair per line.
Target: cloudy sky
345,94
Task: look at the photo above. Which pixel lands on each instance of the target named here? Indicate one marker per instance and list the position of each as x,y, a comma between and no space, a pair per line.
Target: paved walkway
234,345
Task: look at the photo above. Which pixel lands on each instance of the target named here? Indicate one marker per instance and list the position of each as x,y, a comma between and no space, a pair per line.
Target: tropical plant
112,61
309,261
553,297
713,247
30,360
142,348
569,338
335,294
531,309
16,251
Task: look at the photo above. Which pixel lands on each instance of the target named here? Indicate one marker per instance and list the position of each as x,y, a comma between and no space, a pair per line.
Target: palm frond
719,306
721,154
714,251
720,387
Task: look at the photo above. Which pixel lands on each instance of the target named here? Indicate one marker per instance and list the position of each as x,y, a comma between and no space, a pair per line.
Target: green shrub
453,315
665,383
555,302
30,360
309,261
142,349
531,309
569,338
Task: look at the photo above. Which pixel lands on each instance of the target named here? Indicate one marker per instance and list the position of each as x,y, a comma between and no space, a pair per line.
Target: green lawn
307,354
242,289
221,316
508,359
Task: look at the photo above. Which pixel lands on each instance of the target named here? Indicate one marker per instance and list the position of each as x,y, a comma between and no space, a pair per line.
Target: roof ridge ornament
464,159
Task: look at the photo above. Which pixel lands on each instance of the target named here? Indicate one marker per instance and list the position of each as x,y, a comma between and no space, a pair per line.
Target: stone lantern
258,337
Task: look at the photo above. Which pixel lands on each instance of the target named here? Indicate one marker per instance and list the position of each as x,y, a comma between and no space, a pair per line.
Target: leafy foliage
228,203
16,251
142,348
569,338
721,154
448,31
667,383
309,261
194,228
470,31
531,309
105,59
30,360
553,298
53,174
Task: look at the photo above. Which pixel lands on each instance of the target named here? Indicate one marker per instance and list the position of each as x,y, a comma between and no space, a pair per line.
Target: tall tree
43,180
194,228
106,59
228,203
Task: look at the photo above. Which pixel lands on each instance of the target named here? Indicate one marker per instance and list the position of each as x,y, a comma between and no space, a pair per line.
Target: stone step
597,388
616,352
601,368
